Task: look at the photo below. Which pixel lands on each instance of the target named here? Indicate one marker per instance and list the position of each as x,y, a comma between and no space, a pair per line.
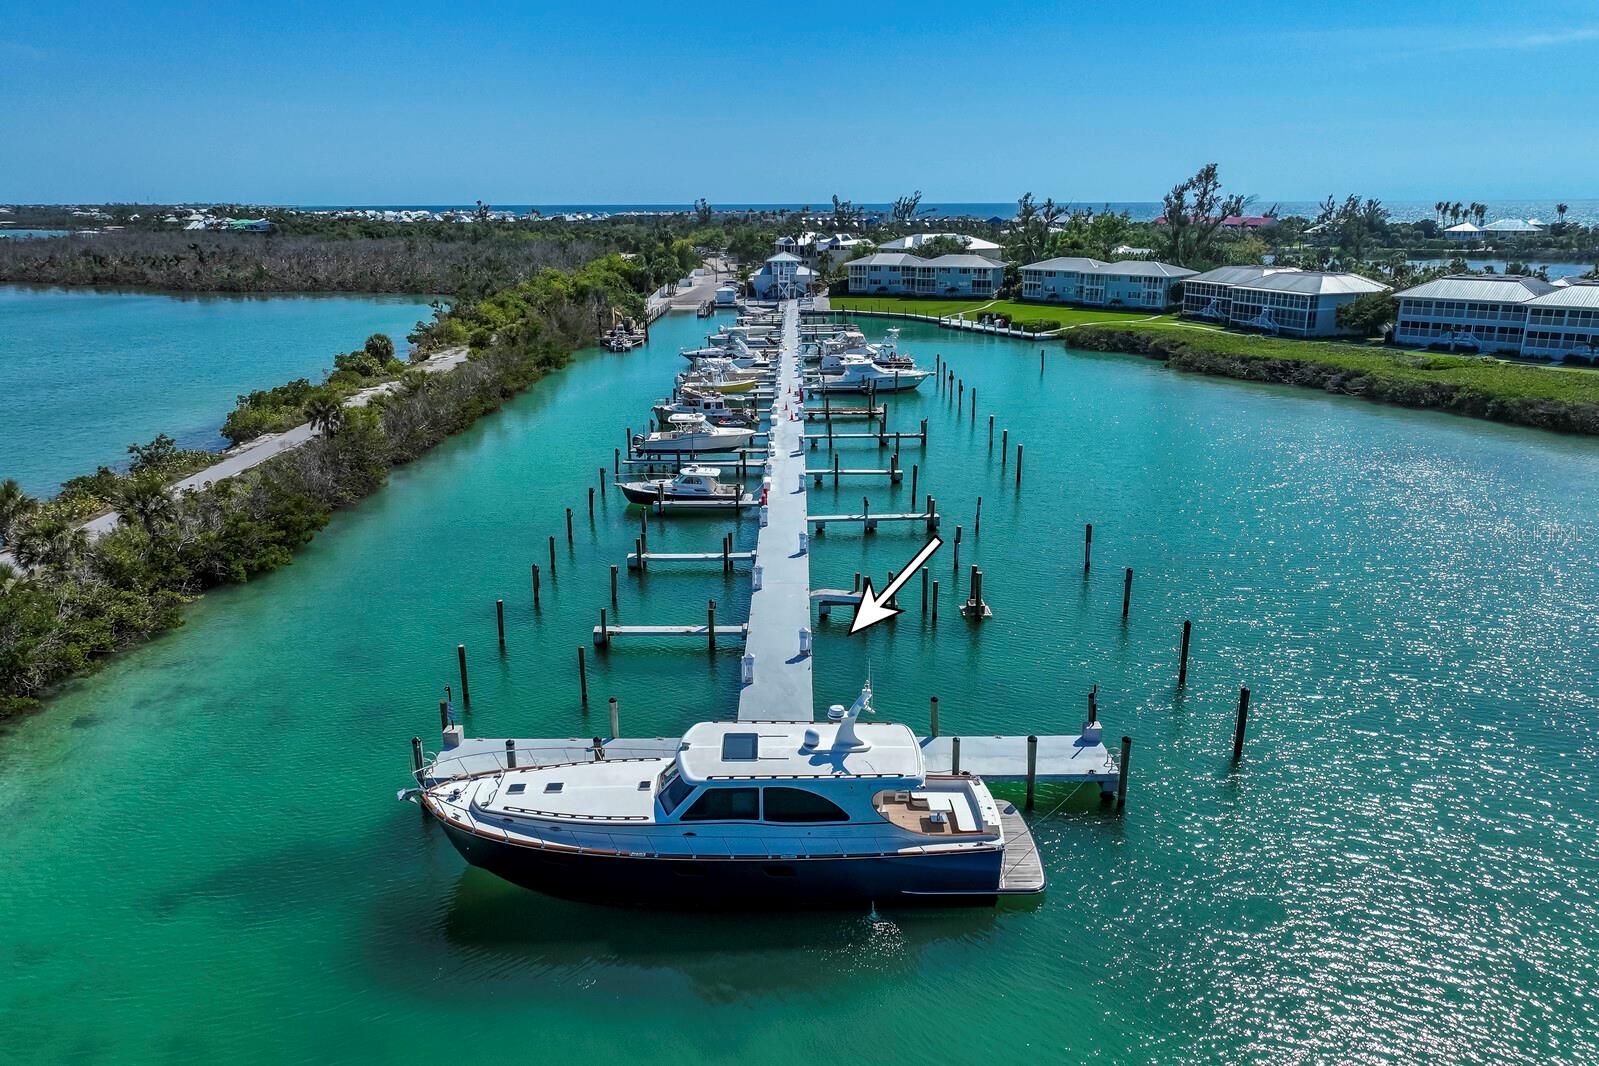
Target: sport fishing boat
692,433
713,407
745,814
859,373
692,487
723,377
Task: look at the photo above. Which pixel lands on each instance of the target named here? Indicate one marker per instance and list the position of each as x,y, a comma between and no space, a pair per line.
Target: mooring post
835,470
1093,705
616,719
1088,544
605,629
924,434
552,557
1032,768
535,586
1040,360
990,431
710,625
444,715
568,525
600,477
499,620
1004,448
956,569
582,676
460,658
416,759
616,462
591,501
954,755
924,590
1121,772
1127,592
727,548
935,602
1018,464
977,523
934,717
510,754
1182,655
974,403
613,584
913,484
1239,725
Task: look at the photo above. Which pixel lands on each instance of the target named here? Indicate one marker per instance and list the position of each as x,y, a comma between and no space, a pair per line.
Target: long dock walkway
779,688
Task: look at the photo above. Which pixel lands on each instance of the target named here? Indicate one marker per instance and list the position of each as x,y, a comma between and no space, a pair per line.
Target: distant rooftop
1496,288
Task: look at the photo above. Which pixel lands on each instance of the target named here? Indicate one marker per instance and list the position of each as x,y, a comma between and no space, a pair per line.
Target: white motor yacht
693,486
692,433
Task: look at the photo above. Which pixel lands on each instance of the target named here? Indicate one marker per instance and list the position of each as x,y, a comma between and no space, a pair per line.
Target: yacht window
739,747
674,791
724,805
798,805
517,788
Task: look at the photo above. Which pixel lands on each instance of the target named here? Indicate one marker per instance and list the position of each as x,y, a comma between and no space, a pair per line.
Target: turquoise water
204,859
85,373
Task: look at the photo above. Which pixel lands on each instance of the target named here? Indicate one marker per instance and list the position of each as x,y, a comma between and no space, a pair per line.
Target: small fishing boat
623,338
692,433
698,486
746,815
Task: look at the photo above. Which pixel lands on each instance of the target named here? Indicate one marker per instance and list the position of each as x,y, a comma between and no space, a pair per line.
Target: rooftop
1577,293
1497,288
776,749
1239,275
1316,282
916,240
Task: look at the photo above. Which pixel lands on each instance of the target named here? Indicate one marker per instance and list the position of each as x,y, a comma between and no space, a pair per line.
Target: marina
1284,523
905,819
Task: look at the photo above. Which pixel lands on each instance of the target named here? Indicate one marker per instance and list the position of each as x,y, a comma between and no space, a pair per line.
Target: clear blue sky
627,102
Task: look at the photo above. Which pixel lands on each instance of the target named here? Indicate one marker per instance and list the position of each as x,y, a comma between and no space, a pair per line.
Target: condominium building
1281,300
1475,312
1079,280
903,274
811,248
1564,322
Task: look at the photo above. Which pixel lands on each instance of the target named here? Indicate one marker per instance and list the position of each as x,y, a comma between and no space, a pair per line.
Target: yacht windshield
674,790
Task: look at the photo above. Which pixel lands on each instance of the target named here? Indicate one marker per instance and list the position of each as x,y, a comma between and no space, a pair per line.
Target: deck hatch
516,789
553,786
740,747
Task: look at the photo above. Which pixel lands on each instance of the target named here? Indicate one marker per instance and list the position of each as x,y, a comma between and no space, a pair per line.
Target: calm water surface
85,373
204,859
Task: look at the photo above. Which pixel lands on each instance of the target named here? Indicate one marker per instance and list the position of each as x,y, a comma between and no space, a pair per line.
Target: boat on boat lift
692,433
713,407
698,486
744,815
859,373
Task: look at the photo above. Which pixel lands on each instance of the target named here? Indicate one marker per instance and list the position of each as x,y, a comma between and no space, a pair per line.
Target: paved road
248,456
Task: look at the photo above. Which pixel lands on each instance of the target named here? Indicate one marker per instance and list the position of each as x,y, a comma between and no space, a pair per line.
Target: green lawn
1019,312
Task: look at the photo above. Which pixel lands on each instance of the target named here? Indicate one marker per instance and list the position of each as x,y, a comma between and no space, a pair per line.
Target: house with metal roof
1564,322
811,247
1133,283
903,274
1463,232
782,277
913,241
1468,312
1279,300
1510,227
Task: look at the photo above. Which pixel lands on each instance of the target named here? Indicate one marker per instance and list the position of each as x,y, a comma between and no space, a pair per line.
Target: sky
625,102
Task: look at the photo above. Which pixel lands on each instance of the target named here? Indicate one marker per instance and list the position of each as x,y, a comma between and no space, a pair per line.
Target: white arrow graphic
870,610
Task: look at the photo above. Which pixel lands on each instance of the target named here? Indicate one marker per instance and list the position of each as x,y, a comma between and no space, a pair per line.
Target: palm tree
51,541
143,499
15,507
326,415
1560,214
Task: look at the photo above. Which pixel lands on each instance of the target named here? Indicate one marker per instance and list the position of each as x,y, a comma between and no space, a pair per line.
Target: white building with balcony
903,274
1279,300
782,277
1468,312
911,242
1564,322
1134,283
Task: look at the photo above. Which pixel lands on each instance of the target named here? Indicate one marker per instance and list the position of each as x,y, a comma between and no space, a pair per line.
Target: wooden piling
1004,448
977,523
954,755
535,586
957,567
933,719
591,501
1121,772
974,403
913,484
613,584
600,477
616,719
1127,592
582,676
1088,544
1032,768
1018,464
990,431
552,557
1182,655
460,658
935,602
710,625
510,754
924,590
727,548
444,715
616,462
499,619
605,629
1240,723
416,759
